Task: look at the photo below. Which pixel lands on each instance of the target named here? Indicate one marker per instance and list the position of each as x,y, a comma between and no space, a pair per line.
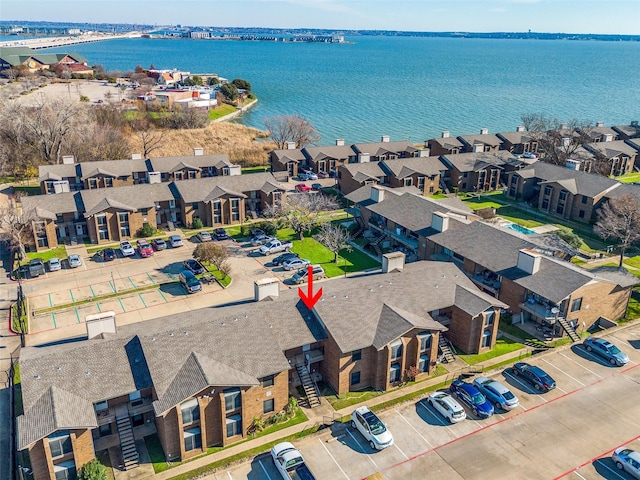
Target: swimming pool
518,228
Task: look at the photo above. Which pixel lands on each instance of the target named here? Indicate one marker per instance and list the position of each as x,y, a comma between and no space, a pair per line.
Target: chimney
364,158
385,138
607,137
198,151
68,159
446,134
392,262
599,124
566,141
266,288
478,147
290,146
520,128
339,142
377,193
439,221
136,156
484,131
564,126
528,261
104,322
423,152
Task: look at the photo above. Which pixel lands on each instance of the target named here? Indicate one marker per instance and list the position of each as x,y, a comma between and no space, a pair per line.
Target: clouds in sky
571,16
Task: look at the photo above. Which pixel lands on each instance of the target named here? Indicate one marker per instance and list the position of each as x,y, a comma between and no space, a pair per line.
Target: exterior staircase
375,244
360,228
573,335
130,457
308,385
446,352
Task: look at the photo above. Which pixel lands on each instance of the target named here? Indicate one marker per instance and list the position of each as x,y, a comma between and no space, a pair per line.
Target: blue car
534,376
471,396
606,350
496,393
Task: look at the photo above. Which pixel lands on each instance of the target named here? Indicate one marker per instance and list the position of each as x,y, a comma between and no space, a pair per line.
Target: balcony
488,281
315,356
543,311
411,243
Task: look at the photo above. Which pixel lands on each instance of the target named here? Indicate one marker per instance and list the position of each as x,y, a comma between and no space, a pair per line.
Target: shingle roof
200,189
115,168
364,171
394,322
618,276
487,139
474,161
47,205
172,164
338,152
362,195
405,167
516,138
130,197
629,130
470,302
412,212
57,172
588,184
613,149
287,155
447,142
380,148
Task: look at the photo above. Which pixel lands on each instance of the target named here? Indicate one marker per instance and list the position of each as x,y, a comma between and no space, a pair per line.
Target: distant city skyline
566,16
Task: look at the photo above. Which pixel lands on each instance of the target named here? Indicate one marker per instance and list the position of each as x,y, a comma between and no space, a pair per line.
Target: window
108,181
408,182
144,212
423,364
394,373
101,220
235,209
192,439
545,203
93,183
563,195
123,218
104,430
232,399
355,378
584,200
65,470
217,212
268,381
425,341
137,420
431,189
172,203
547,191
576,304
234,425
356,355
134,396
268,406
581,214
100,406
396,350
194,205
486,338
60,444
177,175
489,317
277,197
190,411
192,174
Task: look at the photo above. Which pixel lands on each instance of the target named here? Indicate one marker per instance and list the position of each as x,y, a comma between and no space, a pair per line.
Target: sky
566,16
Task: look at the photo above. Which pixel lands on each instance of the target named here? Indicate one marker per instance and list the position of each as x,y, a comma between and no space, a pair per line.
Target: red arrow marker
309,298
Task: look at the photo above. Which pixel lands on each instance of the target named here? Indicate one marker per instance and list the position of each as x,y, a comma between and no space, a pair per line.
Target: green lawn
316,253
438,196
632,261
257,169
29,189
221,111
633,309
518,216
503,346
58,252
477,204
629,177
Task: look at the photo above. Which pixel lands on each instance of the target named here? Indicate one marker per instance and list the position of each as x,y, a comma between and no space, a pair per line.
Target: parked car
302,176
144,248
332,173
74,261
289,462
127,249
36,267
295,263
107,254
627,460
302,187
472,398
159,244
194,266
280,259
175,241
302,275
606,350
189,282
204,236
529,155
371,428
220,234
54,264
323,174
535,376
311,175
260,239
447,406
254,232
275,246
496,393
316,187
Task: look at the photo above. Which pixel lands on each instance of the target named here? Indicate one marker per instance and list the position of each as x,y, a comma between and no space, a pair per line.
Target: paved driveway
566,433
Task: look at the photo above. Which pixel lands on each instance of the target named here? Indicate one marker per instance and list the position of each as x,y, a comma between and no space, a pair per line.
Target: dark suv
535,376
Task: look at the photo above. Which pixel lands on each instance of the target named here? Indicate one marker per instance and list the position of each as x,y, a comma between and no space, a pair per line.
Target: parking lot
568,432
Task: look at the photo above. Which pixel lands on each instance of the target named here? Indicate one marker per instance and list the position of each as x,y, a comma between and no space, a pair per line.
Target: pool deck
545,229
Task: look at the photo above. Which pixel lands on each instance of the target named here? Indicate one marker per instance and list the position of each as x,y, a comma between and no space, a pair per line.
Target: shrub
84,98
93,470
269,228
146,230
571,238
197,223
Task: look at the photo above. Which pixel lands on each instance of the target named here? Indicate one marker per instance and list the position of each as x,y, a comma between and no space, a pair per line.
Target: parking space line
403,454
229,475
121,305
142,300
113,286
53,317
579,364
362,449
73,300
264,469
580,476
131,282
615,472
77,314
562,371
93,294
162,295
151,278
436,416
50,301
98,306
333,458
414,428
527,388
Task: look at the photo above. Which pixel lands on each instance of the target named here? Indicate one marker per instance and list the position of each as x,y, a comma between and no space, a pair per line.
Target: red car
144,248
301,187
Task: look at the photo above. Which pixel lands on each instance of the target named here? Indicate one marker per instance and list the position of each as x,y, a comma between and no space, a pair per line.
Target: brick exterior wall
435,149
465,332
599,300
169,434
40,458
83,451
346,183
431,184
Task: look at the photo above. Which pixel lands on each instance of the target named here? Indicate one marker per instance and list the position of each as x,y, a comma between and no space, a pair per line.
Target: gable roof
447,142
194,162
515,138
57,172
613,149
487,139
362,195
113,168
130,198
338,152
394,322
289,155
364,171
405,167
475,161
376,149
47,206
206,189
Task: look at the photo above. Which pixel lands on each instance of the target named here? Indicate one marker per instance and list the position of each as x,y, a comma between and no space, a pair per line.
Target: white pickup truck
289,462
275,246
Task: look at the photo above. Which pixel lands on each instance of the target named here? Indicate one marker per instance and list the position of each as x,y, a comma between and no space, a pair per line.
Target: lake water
410,88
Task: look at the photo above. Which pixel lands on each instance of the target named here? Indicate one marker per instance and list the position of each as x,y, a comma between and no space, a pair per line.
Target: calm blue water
410,88
520,228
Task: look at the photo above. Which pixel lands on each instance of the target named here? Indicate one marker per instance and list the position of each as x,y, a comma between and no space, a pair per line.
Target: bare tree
558,141
214,254
151,138
291,128
302,212
619,220
15,226
335,238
